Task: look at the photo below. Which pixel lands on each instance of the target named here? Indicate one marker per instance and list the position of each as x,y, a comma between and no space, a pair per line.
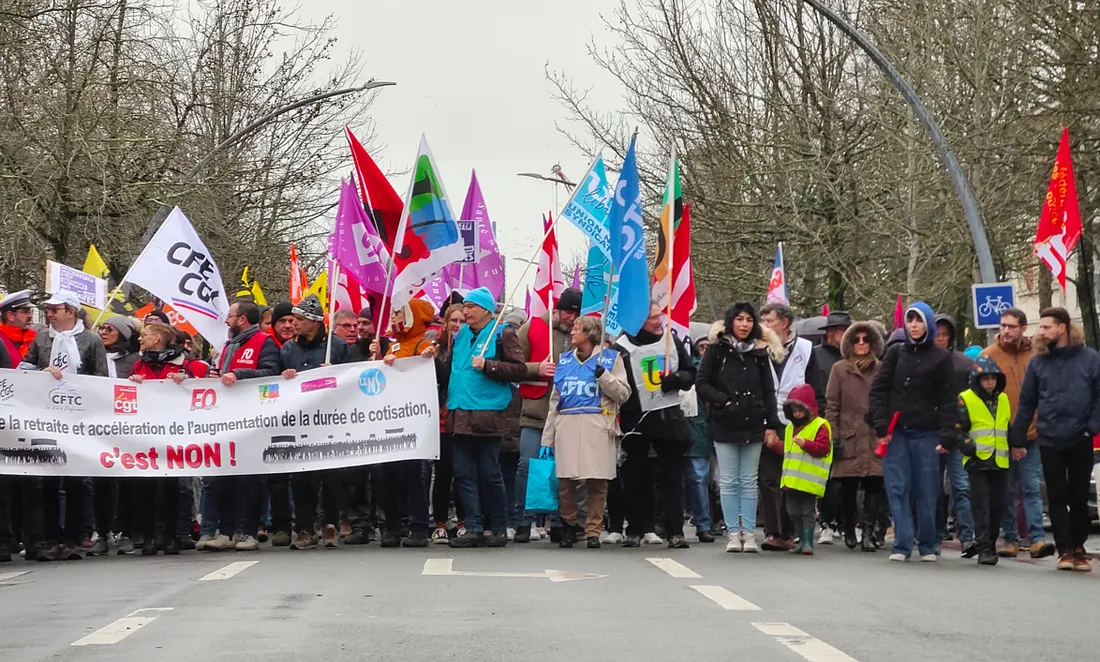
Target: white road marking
675,569
120,629
5,576
810,648
444,568
726,599
228,571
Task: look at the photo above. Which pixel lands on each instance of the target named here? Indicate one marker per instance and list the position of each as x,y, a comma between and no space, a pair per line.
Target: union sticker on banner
177,268
328,418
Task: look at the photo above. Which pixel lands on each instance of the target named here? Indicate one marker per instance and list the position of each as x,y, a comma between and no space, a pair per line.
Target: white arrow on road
444,568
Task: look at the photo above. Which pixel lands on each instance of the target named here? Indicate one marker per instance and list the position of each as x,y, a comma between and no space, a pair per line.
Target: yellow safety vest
802,471
989,436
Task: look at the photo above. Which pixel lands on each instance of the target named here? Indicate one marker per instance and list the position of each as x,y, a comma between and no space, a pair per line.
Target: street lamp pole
244,132
958,178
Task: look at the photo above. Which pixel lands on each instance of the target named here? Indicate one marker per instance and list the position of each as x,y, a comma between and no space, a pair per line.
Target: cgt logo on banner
126,403
93,426
177,267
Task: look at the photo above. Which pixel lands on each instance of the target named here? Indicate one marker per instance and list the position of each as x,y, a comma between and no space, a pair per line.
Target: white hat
63,298
20,299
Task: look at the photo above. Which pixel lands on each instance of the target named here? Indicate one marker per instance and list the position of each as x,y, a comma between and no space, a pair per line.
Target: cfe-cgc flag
428,237
1060,222
777,285
177,268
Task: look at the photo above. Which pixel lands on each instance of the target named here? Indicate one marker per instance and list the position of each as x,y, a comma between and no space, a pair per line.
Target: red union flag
1060,223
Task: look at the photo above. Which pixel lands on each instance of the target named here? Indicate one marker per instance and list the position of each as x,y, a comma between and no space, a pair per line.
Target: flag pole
107,305
519,280
333,283
550,294
670,202
606,303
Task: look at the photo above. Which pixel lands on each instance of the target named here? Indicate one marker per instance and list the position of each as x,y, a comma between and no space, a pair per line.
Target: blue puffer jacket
1063,385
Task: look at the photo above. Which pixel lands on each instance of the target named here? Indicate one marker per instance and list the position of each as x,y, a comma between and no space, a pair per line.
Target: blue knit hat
482,298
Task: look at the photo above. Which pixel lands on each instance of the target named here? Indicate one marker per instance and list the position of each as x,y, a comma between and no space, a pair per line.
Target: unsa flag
177,268
1060,221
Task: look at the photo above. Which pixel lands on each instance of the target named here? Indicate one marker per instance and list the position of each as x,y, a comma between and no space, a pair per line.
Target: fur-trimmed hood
1076,338
768,341
847,343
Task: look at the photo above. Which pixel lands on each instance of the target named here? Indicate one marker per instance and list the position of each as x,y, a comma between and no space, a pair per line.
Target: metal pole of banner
333,284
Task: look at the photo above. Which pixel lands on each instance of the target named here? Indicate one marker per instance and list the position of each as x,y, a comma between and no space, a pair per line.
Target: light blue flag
631,305
595,280
590,205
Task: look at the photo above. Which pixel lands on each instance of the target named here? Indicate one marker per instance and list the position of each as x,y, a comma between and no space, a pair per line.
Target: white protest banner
337,416
176,267
90,290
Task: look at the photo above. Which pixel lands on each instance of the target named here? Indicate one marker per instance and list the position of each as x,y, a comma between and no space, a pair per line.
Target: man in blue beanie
914,385
484,361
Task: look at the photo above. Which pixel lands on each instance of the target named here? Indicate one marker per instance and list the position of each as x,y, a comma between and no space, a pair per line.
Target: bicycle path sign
990,300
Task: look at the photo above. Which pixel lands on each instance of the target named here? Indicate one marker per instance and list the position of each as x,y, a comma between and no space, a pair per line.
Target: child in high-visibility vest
982,435
807,456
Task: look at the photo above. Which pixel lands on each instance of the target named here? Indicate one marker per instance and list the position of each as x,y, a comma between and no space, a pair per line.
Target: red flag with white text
1060,221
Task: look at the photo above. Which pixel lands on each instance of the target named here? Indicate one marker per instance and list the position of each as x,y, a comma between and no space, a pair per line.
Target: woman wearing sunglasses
855,464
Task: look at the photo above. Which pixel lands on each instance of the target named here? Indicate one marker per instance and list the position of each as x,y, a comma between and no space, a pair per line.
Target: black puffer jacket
738,388
1063,385
666,424
961,364
917,381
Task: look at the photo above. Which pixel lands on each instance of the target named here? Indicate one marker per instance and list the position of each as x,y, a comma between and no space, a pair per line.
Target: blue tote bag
542,483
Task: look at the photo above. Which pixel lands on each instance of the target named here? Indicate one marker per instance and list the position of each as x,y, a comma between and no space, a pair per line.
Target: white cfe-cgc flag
176,268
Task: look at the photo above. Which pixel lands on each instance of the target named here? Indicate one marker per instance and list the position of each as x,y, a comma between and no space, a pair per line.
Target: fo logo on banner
203,398
372,381
268,392
126,403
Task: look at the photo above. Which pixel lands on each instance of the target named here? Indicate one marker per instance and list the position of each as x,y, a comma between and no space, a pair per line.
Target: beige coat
846,404
586,445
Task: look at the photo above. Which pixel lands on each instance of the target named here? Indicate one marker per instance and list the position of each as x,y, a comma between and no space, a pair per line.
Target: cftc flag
177,268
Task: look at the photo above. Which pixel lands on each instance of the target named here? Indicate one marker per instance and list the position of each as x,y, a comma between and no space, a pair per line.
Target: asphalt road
356,603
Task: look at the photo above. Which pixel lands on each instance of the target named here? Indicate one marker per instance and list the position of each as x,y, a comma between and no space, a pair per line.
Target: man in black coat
1062,384
656,423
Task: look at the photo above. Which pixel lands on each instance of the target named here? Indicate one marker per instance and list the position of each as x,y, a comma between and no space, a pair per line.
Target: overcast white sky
470,76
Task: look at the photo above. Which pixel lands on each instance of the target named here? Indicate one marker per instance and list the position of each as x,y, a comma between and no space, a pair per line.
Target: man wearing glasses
1012,351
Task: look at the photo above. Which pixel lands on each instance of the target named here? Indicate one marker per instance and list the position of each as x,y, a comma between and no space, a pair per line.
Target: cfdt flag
1060,221
428,237
355,244
631,305
177,268
777,286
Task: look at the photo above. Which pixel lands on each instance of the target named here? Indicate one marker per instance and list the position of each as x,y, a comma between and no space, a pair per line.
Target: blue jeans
738,469
960,495
211,517
530,441
477,472
697,478
1025,474
912,473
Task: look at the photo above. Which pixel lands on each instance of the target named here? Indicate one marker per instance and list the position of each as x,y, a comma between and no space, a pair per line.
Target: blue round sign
372,381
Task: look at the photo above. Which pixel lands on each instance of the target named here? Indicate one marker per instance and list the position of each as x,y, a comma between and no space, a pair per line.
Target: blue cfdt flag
628,248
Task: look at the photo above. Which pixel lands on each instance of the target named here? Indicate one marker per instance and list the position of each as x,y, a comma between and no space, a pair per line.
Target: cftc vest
990,436
575,380
802,471
470,389
646,365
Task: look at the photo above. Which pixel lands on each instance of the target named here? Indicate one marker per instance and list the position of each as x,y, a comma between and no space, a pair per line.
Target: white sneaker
246,543
826,537
749,543
900,558
613,538
439,536
928,558
511,533
204,542
652,539
221,542
536,535
733,543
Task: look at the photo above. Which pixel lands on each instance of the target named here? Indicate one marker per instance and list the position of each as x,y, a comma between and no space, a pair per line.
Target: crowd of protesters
852,439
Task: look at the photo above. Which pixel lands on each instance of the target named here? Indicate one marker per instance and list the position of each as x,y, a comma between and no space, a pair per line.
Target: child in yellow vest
982,435
807,456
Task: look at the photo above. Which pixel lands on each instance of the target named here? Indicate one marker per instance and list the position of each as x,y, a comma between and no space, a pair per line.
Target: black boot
850,536
868,541
568,535
987,555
